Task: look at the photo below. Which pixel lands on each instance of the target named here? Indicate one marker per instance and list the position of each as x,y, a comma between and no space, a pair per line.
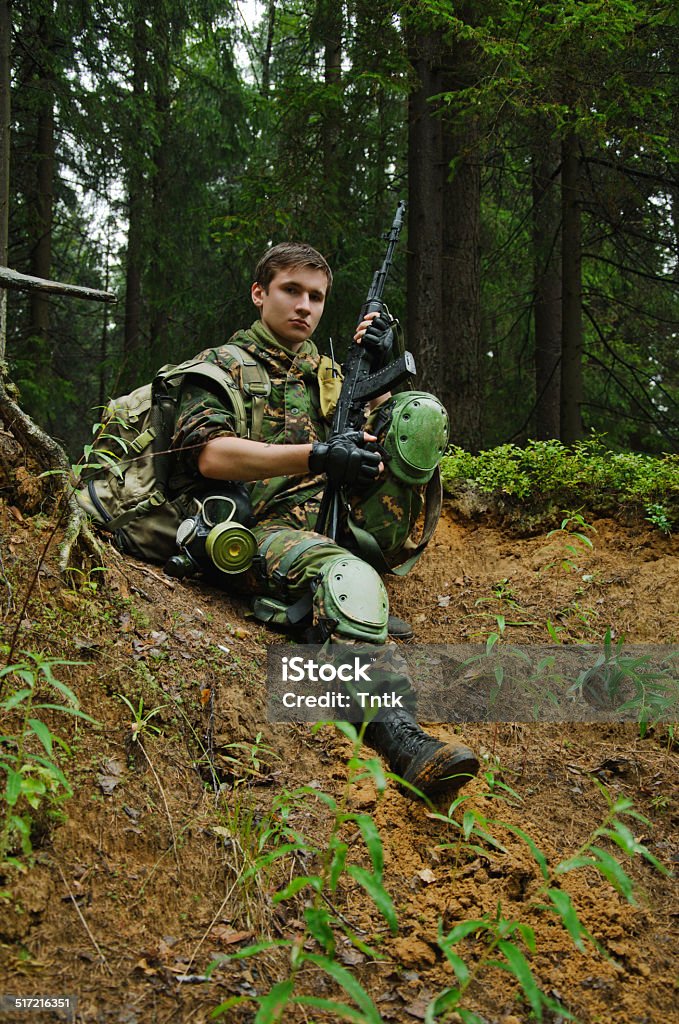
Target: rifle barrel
356,388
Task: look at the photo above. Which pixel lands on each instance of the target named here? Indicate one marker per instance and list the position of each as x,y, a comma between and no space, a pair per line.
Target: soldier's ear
257,292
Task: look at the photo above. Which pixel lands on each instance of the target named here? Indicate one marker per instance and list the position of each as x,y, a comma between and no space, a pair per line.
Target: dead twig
94,942
164,798
211,925
170,584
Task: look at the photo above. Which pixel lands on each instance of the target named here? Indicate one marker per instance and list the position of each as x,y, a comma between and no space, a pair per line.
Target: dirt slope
145,880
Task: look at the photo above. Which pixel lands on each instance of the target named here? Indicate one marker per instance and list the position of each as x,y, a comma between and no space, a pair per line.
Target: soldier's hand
376,334
345,459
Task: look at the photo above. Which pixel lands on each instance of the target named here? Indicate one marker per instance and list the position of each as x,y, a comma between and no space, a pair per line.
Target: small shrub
535,482
34,783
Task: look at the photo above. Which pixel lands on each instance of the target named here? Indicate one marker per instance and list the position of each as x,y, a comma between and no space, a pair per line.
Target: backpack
124,485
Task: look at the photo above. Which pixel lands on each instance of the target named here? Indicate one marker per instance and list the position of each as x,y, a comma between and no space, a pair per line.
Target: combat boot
399,629
420,759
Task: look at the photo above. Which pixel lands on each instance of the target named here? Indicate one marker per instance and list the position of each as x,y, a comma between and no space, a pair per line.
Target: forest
155,150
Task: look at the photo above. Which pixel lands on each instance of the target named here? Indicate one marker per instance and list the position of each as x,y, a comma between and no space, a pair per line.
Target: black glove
378,340
344,459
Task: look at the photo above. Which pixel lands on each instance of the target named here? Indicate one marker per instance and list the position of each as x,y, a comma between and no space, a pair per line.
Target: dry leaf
145,966
351,957
228,937
109,776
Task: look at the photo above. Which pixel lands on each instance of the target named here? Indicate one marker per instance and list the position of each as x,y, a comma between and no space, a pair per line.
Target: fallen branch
25,283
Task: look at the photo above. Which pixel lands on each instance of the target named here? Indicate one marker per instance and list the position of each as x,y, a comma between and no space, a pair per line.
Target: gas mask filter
212,536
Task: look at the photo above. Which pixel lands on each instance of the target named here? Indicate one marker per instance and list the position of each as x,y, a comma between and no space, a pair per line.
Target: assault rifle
360,385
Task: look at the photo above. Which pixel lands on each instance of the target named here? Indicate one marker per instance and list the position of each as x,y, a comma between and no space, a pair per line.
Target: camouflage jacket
292,414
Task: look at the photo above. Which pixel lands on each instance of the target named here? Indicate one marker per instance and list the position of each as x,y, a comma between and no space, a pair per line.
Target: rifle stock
360,385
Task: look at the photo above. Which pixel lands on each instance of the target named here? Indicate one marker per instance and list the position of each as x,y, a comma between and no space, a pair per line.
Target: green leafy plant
248,759
632,681
34,783
322,922
658,515
574,529
85,580
106,450
141,718
508,943
505,943
532,483
503,597
140,727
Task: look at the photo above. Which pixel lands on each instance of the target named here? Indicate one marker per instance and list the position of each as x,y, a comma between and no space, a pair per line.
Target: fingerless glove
344,459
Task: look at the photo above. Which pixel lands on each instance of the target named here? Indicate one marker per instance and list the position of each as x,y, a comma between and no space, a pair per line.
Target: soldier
284,472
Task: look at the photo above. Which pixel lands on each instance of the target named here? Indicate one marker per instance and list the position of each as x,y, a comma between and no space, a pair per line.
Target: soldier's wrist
317,457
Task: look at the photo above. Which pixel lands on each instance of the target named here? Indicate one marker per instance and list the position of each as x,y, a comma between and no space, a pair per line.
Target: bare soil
143,882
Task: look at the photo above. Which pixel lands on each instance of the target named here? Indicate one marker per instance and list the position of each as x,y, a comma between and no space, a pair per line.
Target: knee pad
350,600
416,437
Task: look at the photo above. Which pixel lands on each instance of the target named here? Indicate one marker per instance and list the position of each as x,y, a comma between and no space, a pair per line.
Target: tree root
79,539
78,536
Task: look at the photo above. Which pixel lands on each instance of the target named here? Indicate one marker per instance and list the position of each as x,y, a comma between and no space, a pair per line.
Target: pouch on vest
330,379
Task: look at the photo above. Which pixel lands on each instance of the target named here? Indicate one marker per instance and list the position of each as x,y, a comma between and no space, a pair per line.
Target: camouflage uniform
286,508
293,558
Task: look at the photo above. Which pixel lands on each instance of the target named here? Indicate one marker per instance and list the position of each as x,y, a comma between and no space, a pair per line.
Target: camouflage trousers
292,553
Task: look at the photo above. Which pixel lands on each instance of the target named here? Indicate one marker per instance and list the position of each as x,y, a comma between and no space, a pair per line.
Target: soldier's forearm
237,458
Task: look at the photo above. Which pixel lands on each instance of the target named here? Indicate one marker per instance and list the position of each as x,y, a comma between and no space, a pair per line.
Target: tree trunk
332,50
103,343
268,48
42,203
546,228
572,334
444,319
132,339
5,112
460,387
425,213
159,286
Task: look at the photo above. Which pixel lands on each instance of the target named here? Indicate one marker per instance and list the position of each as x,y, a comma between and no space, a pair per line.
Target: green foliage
141,718
321,921
628,681
538,480
34,783
473,948
209,138
513,939
575,529
247,759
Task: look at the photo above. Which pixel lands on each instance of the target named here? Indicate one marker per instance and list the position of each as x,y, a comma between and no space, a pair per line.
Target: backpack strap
256,385
153,501
170,376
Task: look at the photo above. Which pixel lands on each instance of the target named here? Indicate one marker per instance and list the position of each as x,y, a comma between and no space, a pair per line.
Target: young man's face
293,304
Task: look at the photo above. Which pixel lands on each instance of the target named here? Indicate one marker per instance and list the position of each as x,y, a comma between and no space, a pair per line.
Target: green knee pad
417,436
350,600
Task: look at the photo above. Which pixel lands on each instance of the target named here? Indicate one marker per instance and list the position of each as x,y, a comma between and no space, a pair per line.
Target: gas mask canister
214,537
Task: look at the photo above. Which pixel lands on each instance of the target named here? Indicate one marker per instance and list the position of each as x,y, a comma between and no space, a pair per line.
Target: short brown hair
289,254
